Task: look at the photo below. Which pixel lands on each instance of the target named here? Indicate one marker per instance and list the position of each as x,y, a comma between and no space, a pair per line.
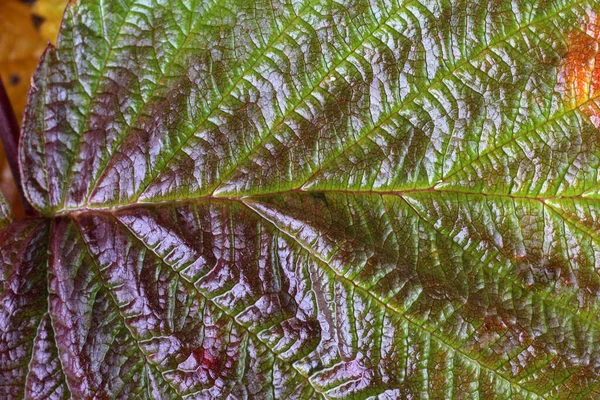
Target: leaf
20,49
5,212
29,358
50,12
24,31
310,200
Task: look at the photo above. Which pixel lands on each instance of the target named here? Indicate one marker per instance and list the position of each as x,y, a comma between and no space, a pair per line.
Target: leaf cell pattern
311,199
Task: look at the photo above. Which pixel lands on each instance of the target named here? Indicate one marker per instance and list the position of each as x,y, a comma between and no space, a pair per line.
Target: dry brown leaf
51,11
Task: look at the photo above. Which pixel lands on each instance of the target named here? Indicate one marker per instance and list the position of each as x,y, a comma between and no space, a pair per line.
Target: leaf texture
313,199
5,212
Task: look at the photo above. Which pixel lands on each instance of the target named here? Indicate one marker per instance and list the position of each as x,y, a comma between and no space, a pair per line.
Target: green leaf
314,199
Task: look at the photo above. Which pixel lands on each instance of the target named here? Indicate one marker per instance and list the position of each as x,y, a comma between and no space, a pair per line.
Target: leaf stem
9,134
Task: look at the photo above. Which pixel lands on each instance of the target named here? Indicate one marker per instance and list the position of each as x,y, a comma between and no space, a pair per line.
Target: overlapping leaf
310,200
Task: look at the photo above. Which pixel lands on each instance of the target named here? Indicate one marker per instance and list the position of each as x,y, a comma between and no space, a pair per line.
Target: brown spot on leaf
580,72
206,361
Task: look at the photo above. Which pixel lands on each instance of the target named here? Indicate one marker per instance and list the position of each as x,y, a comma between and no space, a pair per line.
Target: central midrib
398,193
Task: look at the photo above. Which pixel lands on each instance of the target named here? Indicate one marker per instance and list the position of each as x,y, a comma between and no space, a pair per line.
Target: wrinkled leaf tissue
310,199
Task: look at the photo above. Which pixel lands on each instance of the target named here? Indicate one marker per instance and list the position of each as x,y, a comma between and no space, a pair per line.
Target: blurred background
26,26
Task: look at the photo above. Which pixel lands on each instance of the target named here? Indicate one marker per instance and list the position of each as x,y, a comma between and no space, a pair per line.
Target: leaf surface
311,200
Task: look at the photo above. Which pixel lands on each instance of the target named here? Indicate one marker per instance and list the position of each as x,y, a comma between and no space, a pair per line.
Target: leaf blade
325,200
